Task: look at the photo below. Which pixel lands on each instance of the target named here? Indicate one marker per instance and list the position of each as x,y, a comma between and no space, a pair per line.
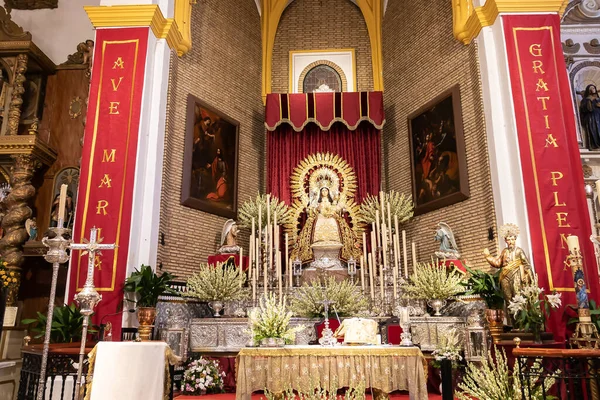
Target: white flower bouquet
271,320
448,348
530,307
433,280
202,376
221,282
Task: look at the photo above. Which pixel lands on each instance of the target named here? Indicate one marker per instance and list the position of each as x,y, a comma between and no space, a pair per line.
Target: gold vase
495,319
146,317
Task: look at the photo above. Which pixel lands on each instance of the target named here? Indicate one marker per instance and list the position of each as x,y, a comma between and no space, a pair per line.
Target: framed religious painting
210,162
437,153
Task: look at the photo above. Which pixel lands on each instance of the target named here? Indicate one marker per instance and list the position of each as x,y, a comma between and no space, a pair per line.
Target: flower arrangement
202,376
250,208
530,307
433,280
8,278
400,205
221,282
346,296
272,320
487,286
492,380
448,348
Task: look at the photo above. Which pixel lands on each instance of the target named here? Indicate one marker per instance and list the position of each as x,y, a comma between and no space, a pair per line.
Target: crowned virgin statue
326,239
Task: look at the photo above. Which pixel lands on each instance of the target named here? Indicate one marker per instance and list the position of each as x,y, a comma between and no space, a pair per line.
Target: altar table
386,368
129,371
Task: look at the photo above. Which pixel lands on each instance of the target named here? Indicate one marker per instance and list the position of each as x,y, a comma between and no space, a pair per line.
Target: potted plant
487,286
67,324
435,282
216,285
148,286
270,323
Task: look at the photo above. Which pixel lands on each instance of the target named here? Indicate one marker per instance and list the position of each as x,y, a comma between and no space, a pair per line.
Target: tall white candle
404,254
381,281
414,256
279,276
598,188
287,259
364,237
362,272
62,202
377,230
382,207
255,274
241,266
384,245
250,258
404,315
573,243
259,220
276,230
396,250
268,209
371,281
389,221
395,274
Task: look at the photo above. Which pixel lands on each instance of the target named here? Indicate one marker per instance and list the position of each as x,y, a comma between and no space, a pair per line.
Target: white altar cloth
129,371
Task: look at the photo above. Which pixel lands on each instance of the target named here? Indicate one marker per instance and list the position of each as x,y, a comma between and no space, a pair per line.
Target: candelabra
56,255
89,297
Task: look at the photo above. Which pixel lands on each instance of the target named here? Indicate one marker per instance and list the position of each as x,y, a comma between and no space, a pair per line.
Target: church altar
385,368
229,335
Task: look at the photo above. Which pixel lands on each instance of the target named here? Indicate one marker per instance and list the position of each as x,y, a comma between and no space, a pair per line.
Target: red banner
551,168
108,163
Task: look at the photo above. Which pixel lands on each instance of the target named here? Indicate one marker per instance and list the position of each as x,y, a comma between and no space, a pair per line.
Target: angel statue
515,269
229,238
326,238
448,249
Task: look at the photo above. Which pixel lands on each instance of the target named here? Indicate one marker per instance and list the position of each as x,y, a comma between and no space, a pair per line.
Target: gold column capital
372,11
468,20
140,15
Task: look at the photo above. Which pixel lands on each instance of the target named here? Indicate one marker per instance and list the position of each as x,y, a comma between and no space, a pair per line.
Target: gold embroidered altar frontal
385,368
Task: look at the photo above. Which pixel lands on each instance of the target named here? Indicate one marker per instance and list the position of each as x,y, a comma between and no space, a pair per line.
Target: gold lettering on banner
563,241
116,86
105,181
555,175
99,231
561,217
112,109
98,262
547,121
119,63
551,141
537,67
535,50
556,202
101,207
541,85
109,157
543,99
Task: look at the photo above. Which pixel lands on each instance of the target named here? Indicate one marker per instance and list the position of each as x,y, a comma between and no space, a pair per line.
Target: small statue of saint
515,269
32,230
589,112
448,248
229,238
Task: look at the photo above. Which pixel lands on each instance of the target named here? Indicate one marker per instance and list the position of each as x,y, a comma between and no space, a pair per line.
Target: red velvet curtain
360,148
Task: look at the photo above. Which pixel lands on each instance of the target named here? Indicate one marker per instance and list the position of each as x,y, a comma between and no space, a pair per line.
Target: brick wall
421,59
223,69
318,25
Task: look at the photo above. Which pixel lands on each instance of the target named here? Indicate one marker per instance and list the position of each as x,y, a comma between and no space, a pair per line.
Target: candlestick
287,259
362,273
62,203
371,282
377,237
255,274
395,275
381,282
250,258
414,256
404,254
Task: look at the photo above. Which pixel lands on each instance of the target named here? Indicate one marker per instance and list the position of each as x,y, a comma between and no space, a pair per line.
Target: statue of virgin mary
326,236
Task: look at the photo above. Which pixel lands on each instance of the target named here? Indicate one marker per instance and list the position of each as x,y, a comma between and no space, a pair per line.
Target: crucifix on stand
89,297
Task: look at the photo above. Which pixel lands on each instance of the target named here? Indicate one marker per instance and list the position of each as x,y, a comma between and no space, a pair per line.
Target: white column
503,147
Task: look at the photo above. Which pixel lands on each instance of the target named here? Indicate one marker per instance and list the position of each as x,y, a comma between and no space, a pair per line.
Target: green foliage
433,280
594,313
272,320
487,286
67,324
221,282
148,285
346,296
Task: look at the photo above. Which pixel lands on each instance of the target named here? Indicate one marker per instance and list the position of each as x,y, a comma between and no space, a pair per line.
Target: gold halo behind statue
317,171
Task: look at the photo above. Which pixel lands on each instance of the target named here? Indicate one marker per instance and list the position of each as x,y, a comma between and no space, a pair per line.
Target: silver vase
436,304
272,342
216,306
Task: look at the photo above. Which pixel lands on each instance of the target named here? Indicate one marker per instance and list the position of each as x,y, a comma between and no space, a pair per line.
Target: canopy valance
323,109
